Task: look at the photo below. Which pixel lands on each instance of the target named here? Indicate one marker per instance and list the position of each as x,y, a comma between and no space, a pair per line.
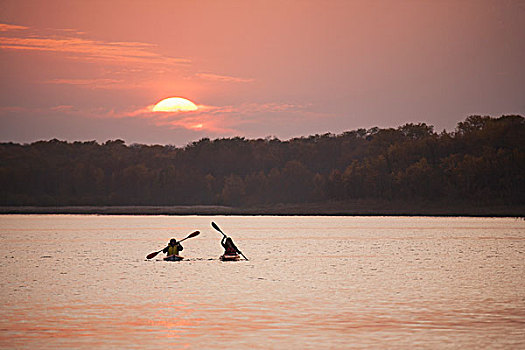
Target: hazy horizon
212,138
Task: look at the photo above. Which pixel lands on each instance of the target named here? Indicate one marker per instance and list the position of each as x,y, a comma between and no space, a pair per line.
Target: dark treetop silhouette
483,160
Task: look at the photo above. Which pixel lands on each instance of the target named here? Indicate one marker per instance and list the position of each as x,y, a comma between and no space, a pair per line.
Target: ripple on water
333,282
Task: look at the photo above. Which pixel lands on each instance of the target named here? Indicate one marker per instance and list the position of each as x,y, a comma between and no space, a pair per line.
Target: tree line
481,161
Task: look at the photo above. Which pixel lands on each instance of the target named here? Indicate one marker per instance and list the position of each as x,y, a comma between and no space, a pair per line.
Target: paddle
214,225
154,254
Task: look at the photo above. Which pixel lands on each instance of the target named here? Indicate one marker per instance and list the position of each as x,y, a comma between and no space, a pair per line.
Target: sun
175,104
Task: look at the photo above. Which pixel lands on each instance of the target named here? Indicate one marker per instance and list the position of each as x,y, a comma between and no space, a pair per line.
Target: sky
93,70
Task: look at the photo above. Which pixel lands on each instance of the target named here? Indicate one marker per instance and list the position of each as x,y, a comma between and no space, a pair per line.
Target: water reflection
311,282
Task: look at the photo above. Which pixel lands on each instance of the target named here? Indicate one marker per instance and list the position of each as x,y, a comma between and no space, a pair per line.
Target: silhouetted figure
229,246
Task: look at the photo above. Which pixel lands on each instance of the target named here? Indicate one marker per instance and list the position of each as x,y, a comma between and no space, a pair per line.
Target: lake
83,282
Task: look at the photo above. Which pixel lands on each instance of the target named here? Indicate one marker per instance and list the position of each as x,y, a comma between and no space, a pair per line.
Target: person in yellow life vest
173,249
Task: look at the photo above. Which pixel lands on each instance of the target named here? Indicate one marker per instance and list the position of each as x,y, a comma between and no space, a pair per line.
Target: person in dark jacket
229,246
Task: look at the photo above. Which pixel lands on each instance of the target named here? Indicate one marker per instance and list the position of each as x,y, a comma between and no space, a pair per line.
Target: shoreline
358,208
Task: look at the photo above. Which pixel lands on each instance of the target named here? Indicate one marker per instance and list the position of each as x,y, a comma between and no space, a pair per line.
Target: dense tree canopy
483,160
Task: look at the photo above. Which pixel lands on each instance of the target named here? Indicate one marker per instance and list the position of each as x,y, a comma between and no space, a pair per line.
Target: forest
481,161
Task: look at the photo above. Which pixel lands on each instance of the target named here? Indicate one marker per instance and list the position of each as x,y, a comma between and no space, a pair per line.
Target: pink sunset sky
92,70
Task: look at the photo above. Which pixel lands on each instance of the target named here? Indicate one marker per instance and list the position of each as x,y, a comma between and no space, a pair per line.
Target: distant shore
355,208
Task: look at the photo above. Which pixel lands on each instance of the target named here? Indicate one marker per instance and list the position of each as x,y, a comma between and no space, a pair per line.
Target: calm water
311,282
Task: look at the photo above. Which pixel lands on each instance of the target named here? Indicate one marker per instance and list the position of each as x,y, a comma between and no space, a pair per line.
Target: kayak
173,258
229,257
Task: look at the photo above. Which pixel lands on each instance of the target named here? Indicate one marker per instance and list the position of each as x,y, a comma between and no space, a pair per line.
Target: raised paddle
154,254
214,225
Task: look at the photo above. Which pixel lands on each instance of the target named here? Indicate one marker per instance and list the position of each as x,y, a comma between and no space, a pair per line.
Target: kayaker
173,248
229,246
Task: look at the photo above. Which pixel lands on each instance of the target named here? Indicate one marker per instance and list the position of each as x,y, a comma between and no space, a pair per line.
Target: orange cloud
198,122
63,108
10,27
213,119
80,48
92,83
201,119
128,65
223,78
